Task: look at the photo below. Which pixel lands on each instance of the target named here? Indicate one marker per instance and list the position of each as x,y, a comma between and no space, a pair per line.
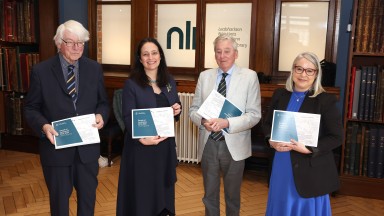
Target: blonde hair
316,87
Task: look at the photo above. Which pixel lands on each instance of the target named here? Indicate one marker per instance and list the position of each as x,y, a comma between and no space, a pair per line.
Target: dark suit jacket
48,100
138,97
314,174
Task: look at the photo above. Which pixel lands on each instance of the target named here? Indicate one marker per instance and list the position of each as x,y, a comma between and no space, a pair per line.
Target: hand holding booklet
76,131
153,122
302,127
217,106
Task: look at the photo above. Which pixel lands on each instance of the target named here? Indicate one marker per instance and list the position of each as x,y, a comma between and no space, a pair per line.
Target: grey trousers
217,161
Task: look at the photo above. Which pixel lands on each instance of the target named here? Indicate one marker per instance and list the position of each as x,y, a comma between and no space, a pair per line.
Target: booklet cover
303,127
217,106
153,122
76,131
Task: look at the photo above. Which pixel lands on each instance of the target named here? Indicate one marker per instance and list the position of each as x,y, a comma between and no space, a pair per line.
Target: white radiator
186,133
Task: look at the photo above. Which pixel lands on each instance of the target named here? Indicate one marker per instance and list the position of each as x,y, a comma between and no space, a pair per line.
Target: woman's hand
176,109
300,147
281,146
152,140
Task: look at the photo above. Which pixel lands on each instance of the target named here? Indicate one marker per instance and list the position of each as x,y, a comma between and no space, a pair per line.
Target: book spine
359,25
373,93
351,89
363,83
367,26
353,147
347,149
373,26
380,153
379,92
372,153
380,26
365,151
358,151
368,87
356,94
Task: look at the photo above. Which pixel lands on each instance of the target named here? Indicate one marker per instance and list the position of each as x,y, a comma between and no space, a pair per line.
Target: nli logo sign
181,36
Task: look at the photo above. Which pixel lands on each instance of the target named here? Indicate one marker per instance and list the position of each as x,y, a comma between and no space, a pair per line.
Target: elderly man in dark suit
53,96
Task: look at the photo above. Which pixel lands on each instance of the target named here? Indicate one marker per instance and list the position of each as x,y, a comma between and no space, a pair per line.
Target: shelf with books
25,28
361,167
19,52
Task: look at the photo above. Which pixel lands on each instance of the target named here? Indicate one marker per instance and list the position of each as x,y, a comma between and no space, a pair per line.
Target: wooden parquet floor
23,191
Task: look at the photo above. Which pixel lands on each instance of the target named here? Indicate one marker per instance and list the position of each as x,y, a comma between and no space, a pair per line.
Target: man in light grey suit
226,154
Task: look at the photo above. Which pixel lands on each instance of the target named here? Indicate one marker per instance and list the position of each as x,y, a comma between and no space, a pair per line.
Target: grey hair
224,37
316,86
73,27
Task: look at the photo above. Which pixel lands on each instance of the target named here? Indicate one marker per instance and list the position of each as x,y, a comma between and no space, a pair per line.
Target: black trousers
60,181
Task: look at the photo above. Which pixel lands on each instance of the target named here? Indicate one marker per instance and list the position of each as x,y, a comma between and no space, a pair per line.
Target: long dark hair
138,73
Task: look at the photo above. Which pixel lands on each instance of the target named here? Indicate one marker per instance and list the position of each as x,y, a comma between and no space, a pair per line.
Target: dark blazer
48,100
143,98
137,181
314,174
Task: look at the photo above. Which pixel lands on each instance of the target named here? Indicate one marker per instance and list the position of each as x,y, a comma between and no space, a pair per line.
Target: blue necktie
71,83
222,89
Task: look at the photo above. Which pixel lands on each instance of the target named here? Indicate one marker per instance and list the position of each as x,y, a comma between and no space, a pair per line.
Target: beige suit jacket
244,92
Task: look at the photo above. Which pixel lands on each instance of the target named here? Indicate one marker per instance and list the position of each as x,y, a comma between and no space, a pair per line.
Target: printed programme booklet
302,127
76,131
217,106
153,122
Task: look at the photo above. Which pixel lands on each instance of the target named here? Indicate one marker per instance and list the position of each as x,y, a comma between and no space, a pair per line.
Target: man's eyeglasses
308,71
71,43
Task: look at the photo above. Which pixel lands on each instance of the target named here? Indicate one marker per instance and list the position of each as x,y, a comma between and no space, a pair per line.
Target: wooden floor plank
28,195
9,205
24,182
19,199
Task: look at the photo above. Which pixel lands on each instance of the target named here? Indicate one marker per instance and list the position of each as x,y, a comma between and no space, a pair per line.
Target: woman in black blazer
303,176
148,165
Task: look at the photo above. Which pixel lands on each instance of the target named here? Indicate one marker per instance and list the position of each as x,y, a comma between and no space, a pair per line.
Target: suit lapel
235,81
211,81
58,73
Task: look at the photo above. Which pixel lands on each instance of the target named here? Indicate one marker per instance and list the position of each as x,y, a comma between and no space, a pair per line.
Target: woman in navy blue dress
302,176
148,165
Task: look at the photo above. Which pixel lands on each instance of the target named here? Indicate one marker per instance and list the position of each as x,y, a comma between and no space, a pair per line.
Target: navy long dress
147,176
283,199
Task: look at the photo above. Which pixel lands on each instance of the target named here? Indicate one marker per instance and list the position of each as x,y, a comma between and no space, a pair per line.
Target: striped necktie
71,83
222,89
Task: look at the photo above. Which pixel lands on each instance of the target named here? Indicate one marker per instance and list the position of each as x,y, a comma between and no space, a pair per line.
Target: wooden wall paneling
265,18
2,113
140,23
48,23
92,28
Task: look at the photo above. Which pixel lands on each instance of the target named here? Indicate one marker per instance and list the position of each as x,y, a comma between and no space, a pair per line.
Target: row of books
15,68
369,34
14,116
364,150
17,21
366,93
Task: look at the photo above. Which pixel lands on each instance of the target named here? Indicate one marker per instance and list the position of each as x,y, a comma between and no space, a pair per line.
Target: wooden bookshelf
35,34
367,54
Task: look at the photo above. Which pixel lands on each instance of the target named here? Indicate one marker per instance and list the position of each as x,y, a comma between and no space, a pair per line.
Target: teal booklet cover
217,106
142,124
153,122
67,133
76,131
229,110
302,127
